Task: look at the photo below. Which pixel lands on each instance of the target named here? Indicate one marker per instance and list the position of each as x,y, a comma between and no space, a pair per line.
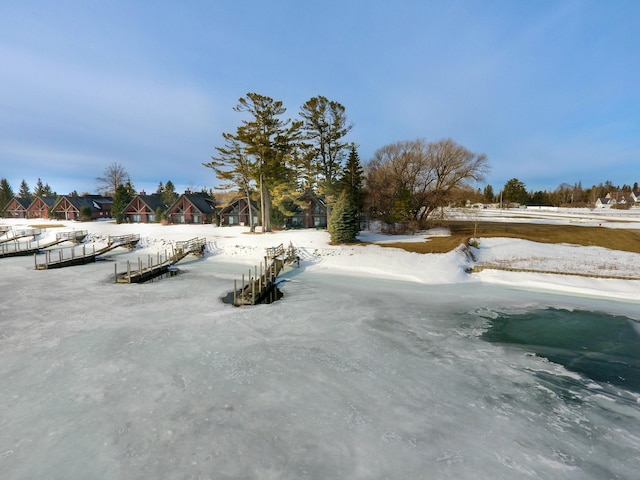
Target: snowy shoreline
585,267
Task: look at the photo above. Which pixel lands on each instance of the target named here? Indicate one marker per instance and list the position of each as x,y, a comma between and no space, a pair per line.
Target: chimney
187,192
142,192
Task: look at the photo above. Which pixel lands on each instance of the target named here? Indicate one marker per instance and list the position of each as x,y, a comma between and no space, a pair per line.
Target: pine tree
122,198
488,193
6,193
325,126
235,167
267,143
25,192
47,192
351,181
169,195
39,188
343,223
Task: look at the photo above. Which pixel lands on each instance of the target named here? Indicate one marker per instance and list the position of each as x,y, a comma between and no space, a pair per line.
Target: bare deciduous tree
115,174
407,181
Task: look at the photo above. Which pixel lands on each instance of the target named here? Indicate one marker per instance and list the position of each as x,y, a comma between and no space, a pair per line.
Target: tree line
271,158
565,195
40,189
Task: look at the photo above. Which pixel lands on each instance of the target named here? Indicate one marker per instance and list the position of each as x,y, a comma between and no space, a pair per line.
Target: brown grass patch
47,225
616,239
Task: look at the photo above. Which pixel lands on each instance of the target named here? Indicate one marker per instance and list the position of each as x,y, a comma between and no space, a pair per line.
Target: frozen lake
343,378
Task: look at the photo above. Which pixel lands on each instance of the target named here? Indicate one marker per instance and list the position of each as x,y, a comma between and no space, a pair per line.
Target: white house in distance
610,201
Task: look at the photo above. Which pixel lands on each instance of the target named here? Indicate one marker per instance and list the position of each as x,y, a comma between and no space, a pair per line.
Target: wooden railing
194,245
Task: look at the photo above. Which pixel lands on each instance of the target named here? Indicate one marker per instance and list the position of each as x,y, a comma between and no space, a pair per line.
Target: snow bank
237,245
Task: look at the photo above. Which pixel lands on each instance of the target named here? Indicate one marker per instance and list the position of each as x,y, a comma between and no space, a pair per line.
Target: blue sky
549,90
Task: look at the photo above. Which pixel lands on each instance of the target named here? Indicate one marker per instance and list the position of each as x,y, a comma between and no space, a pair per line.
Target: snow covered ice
377,363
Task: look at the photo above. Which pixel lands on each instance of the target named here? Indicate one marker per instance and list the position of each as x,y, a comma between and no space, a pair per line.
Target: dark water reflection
600,346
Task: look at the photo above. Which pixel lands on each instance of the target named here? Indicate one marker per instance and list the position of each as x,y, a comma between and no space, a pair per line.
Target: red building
40,207
192,208
68,207
145,208
17,207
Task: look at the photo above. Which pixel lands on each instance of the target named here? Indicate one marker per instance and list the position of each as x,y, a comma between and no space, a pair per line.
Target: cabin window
197,219
135,218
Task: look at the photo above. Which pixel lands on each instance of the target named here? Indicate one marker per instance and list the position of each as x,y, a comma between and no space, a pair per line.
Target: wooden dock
19,249
129,241
12,235
31,247
260,284
75,236
147,270
60,259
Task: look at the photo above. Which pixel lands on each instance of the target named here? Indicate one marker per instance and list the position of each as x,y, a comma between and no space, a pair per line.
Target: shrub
343,224
85,214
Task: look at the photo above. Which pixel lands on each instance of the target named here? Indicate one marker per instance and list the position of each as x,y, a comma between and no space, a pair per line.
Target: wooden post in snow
235,289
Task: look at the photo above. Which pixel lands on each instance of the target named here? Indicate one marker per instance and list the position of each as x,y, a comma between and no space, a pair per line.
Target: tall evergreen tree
325,126
343,223
352,178
123,196
24,192
39,190
6,193
169,195
267,141
232,165
515,191
488,194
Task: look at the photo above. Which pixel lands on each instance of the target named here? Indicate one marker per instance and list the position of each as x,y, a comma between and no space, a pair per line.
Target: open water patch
603,347
271,295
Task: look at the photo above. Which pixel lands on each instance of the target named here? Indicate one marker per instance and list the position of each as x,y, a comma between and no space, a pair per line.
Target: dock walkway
149,270
13,235
261,284
60,260
31,247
